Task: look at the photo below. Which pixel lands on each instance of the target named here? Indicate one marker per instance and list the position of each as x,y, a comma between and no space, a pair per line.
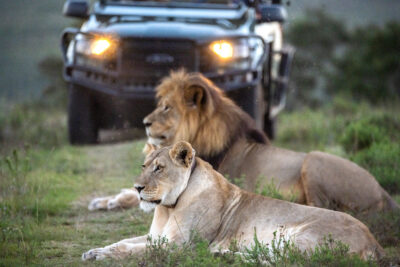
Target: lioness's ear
182,154
194,96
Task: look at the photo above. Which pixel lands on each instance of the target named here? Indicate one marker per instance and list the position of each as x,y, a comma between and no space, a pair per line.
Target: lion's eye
166,108
143,166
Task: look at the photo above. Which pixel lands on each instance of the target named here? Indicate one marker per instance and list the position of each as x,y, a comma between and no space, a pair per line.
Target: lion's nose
146,122
139,188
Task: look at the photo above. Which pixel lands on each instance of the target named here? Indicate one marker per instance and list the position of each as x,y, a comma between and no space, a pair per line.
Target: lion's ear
182,154
148,149
194,96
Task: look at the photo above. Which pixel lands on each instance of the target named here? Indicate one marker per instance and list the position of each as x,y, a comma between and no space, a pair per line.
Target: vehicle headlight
96,46
227,50
100,46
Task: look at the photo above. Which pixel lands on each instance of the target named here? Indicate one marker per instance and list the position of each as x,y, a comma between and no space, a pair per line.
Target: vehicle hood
194,25
184,30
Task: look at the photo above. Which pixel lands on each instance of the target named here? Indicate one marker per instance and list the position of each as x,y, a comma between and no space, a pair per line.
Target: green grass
44,197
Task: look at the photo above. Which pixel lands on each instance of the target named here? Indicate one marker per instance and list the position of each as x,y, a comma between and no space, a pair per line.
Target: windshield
177,2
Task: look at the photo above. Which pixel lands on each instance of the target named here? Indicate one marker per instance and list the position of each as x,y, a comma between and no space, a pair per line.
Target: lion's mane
215,124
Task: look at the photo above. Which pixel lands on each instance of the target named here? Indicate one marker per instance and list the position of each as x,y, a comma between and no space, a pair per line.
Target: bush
385,226
361,134
34,124
315,49
369,68
361,63
382,161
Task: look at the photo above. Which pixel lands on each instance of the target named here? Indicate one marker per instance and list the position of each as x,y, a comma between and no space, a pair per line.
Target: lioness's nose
146,122
139,188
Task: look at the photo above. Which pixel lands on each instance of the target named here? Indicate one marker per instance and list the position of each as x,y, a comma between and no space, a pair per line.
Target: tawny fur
221,212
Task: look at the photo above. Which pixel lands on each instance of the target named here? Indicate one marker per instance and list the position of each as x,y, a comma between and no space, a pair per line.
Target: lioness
188,194
191,108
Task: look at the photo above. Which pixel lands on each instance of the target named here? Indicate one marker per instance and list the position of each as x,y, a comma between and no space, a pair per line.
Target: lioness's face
165,174
161,125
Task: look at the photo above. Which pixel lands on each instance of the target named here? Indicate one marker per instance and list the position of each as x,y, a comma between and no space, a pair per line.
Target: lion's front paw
94,254
98,204
113,204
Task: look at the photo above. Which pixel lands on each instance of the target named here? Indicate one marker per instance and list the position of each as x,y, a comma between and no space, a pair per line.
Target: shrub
32,123
369,68
382,160
283,252
385,226
315,48
361,134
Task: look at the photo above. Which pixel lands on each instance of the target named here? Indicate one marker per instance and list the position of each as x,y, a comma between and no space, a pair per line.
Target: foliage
40,122
363,133
194,252
360,63
384,225
382,160
283,252
280,252
370,67
31,124
315,48
270,190
373,143
55,94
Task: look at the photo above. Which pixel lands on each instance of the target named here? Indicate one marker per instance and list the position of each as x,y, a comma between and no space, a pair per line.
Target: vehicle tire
269,127
251,100
82,122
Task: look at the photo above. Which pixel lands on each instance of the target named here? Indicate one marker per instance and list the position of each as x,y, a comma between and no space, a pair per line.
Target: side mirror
76,8
272,13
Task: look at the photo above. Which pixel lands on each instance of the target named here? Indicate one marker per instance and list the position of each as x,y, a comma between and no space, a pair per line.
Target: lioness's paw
98,204
94,254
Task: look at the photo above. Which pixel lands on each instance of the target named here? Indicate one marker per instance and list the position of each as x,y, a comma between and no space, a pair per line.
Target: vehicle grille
146,61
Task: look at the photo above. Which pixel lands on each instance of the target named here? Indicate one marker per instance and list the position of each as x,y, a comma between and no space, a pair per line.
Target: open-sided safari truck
124,48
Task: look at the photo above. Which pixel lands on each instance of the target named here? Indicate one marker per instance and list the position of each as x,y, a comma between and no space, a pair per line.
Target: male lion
191,108
188,194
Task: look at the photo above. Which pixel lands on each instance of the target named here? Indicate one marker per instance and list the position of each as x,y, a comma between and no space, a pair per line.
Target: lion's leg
99,203
332,182
128,198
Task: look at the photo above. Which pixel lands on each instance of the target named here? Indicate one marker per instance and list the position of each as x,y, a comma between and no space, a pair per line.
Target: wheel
82,122
251,100
269,127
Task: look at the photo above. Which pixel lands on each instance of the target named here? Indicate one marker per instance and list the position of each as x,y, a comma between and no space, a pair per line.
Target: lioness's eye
143,166
157,168
166,108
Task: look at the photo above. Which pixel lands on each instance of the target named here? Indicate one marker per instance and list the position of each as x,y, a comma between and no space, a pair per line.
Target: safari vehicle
124,48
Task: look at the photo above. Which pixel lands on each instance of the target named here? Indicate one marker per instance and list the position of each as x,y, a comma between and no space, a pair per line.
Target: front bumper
129,81
111,85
